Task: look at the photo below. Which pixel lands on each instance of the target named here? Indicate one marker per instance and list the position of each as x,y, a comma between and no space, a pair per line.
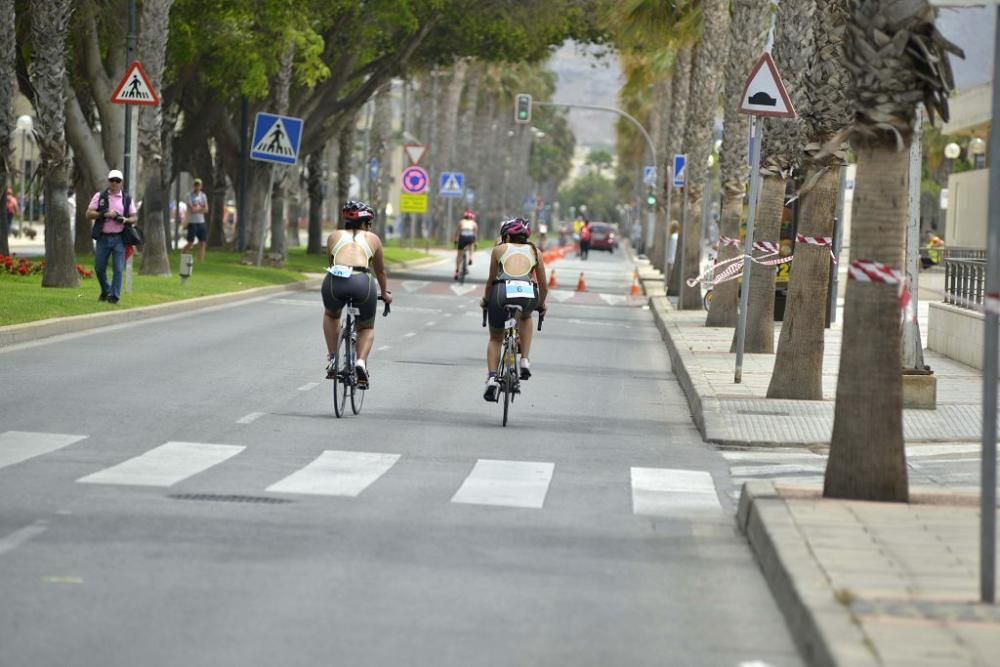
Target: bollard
187,267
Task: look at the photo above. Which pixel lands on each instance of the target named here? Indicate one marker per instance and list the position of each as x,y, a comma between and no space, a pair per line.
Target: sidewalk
859,583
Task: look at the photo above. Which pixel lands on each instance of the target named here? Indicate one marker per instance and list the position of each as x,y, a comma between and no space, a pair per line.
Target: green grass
23,299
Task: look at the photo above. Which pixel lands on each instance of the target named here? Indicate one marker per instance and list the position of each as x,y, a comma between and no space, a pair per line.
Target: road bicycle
463,270
345,380
508,374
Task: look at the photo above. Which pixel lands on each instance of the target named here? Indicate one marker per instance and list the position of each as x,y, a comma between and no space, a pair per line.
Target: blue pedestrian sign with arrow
680,170
451,184
649,174
276,138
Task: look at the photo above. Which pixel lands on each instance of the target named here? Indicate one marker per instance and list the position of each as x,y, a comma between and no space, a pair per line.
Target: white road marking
414,285
430,324
561,295
755,663
13,540
17,446
613,299
447,315
670,492
410,335
919,451
462,290
295,302
252,417
772,456
165,465
506,484
383,348
773,469
337,473
309,385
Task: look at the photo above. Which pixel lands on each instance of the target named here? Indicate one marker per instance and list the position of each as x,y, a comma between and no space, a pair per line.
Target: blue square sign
680,170
276,138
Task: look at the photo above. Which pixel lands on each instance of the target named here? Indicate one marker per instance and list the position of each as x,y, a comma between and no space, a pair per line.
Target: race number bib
519,289
340,271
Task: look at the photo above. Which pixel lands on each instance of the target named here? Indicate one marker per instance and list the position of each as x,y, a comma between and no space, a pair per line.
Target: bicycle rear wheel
342,382
357,397
464,271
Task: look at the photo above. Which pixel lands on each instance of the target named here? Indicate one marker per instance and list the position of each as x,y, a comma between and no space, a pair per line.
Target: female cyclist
352,254
514,267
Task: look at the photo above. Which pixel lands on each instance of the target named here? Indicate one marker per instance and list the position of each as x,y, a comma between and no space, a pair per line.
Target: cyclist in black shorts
515,268
466,235
353,254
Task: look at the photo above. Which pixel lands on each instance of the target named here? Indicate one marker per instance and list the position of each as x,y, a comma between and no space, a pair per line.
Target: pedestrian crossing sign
452,184
135,88
276,138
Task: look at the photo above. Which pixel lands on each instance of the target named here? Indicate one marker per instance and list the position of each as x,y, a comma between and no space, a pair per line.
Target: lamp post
24,125
977,149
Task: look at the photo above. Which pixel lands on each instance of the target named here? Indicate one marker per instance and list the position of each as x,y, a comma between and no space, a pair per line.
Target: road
178,492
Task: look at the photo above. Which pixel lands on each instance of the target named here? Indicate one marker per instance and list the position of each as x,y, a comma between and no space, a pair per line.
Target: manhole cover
228,498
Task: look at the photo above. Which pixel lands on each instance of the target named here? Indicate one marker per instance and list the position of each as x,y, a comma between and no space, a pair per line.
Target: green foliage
595,192
600,159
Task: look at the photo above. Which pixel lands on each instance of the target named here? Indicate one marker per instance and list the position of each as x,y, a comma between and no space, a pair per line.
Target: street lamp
977,149
24,125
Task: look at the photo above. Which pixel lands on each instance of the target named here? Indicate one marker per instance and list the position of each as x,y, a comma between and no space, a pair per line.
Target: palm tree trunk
798,366
8,84
662,102
446,145
680,91
217,209
49,25
723,312
83,245
868,419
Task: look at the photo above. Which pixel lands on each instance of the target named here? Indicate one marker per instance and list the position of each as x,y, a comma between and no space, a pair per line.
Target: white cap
114,173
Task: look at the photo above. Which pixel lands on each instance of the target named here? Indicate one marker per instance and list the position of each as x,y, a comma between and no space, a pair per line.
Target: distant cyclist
352,254
466,235
514,261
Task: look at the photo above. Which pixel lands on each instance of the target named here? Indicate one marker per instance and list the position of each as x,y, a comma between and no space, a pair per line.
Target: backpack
102,208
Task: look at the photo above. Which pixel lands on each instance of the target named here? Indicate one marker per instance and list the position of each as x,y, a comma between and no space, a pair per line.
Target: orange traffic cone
580,285
635,291
552,280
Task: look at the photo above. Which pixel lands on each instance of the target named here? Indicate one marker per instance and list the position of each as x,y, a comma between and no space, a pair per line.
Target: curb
31,331
823,629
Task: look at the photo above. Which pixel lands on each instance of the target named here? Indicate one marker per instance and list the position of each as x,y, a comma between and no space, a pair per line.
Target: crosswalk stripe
18,446
337,473
670,492
165,465
506,484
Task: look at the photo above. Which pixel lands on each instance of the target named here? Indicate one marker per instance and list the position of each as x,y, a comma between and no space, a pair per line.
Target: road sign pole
988,495
757,128
666,245
449,215
682,240
128,165
267,218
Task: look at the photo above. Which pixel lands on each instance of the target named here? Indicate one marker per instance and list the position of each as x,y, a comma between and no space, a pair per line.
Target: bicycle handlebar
385,311
484,317
541,318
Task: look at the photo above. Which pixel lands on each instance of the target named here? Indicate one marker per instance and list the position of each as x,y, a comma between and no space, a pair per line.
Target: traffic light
522,108
650,197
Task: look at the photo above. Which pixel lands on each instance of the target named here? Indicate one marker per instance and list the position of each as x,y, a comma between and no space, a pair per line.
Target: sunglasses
115,180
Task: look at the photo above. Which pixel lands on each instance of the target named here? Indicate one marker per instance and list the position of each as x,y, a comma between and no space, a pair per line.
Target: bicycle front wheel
507,389
343,382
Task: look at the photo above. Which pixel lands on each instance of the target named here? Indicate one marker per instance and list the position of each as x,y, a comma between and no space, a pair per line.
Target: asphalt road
178,492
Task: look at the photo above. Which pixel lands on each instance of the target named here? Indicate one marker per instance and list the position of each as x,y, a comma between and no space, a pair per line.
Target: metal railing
964,282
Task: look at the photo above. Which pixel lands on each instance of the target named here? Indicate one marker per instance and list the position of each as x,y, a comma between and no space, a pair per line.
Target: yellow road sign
412,203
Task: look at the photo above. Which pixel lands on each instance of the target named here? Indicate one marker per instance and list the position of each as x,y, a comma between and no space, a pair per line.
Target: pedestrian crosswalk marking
18,446
669,492
506,484
414,285
337,473
561,295
613,299
165,465
462,290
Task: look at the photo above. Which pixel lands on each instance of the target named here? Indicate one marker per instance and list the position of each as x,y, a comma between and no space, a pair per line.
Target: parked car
603,236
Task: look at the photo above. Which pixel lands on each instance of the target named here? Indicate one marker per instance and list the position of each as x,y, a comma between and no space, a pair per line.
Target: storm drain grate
228,498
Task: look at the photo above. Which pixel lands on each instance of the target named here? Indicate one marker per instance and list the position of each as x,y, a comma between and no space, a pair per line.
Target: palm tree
748,35
897,59
678,120
49,24
783,143
798,366
155,26
706,84
8,79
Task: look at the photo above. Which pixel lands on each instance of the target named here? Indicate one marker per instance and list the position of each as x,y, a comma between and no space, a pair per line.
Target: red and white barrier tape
766,246
825,241
868,271
725,240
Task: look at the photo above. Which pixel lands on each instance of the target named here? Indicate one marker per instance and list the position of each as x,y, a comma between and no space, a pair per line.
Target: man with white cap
110,209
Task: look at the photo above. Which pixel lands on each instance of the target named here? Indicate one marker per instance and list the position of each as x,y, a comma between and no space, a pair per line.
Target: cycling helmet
357,213
515,227
469,215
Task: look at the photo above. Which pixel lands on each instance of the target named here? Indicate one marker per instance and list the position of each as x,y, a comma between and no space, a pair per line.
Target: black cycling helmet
515,227
357,214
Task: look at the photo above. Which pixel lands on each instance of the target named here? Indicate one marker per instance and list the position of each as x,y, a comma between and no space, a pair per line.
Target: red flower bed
22,266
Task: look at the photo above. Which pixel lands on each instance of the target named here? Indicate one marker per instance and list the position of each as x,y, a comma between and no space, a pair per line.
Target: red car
603,236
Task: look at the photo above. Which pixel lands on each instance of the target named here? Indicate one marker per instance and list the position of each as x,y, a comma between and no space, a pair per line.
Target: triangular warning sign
764,93
415,152
135,88
451,185
275,142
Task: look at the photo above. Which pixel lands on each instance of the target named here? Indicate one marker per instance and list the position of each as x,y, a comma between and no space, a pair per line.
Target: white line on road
17,446
410,335
447,315
309,385
462,290
506,484
430,324
251,417
669,492
165,465
12,541
383,348
773,469
776,457
414,285
336,473
919,451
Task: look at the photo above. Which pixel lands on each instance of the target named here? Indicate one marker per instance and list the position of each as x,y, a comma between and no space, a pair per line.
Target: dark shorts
360,288
465,240
498,302
197,230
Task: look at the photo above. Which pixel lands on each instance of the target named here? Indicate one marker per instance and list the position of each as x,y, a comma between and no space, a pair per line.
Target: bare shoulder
373,240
